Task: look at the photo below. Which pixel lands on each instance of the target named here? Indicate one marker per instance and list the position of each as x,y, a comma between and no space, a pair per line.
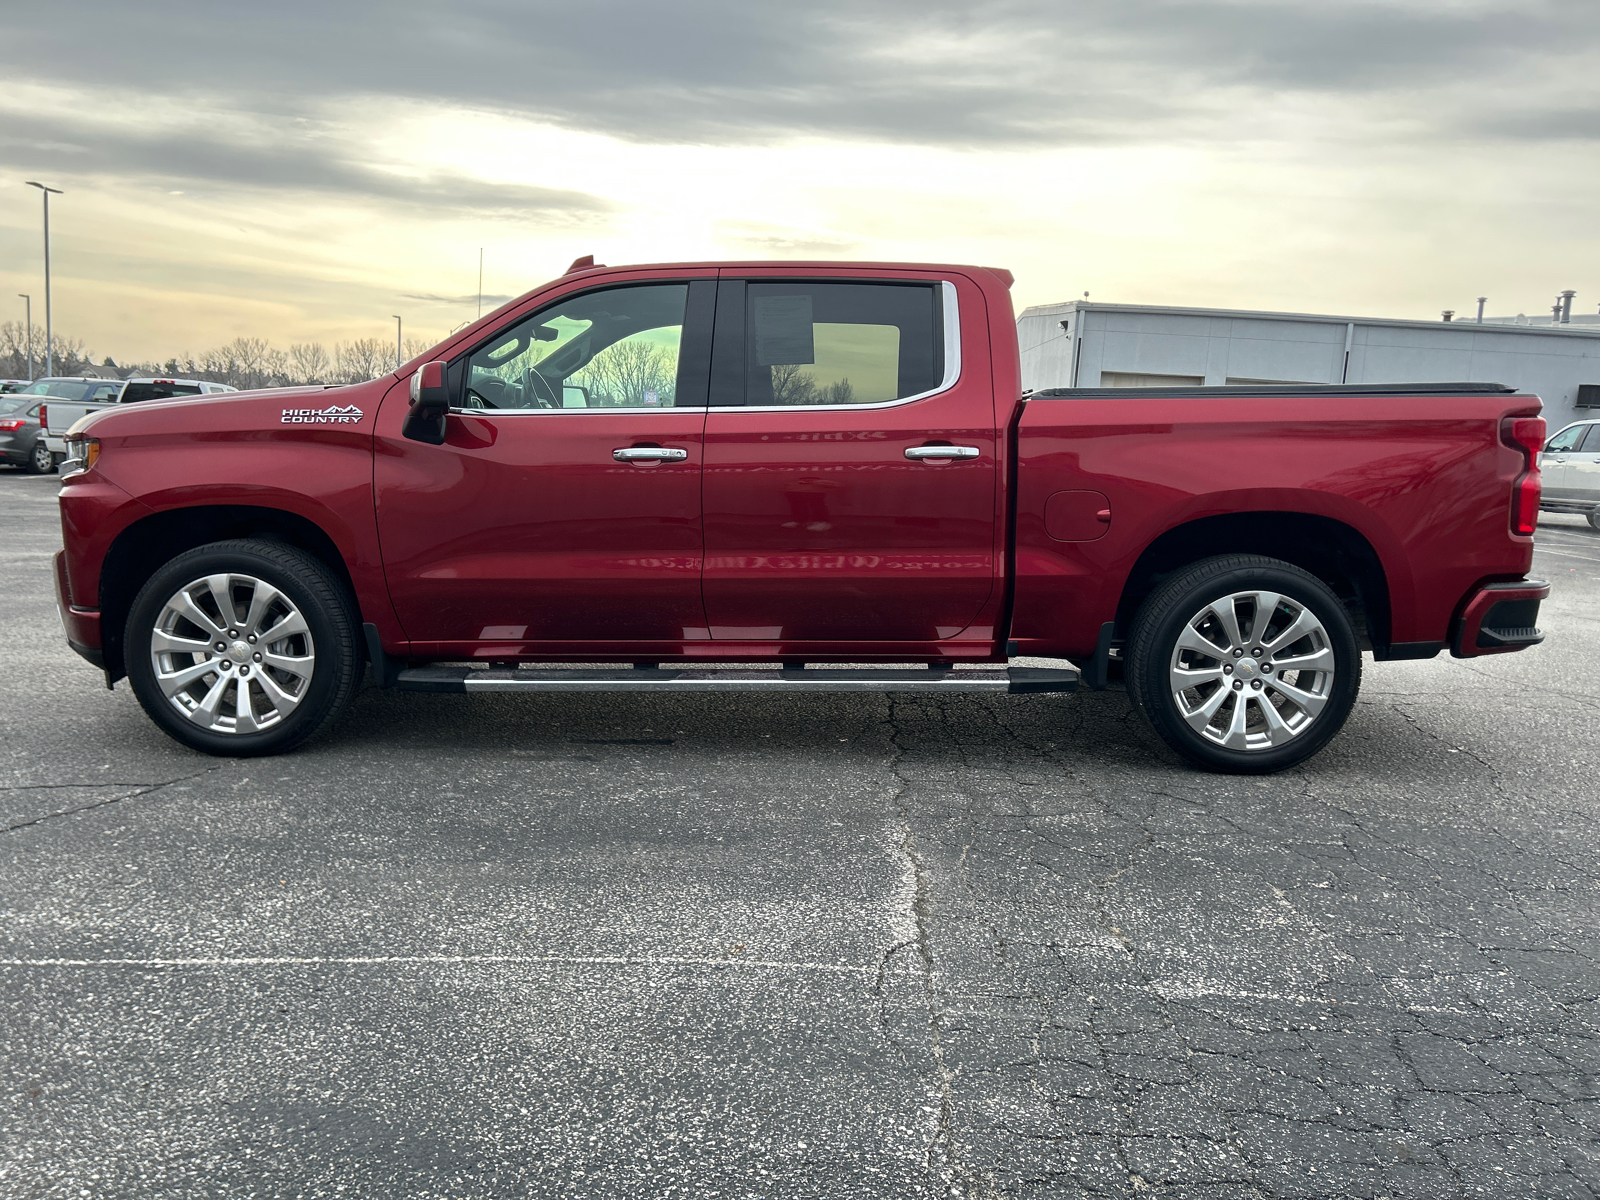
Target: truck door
851,471
562,512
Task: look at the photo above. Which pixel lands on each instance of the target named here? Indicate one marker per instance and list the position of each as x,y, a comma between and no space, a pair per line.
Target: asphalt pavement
800,946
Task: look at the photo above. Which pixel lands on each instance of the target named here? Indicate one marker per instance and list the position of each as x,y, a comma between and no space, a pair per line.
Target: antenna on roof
585,263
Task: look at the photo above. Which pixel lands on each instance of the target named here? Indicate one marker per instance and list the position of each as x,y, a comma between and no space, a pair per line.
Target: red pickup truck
789,465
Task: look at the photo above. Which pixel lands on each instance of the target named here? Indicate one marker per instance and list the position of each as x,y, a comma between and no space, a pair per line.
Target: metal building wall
1130,343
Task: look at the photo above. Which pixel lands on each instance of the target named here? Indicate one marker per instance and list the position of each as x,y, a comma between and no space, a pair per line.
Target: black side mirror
430,401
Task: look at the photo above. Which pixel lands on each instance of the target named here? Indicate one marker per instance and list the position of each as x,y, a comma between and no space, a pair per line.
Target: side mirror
430,401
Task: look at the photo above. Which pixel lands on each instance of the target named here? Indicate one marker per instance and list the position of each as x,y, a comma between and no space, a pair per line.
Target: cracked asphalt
735,946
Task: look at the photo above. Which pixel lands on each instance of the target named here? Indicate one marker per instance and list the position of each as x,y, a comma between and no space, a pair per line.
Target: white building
1083,344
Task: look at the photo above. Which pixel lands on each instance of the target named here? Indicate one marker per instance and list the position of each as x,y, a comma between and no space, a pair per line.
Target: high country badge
334,414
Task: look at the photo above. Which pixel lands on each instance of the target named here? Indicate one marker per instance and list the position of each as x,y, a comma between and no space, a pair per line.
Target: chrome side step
710,679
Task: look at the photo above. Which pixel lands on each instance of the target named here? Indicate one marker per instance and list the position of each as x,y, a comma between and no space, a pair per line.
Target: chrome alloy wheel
1252,670
232,653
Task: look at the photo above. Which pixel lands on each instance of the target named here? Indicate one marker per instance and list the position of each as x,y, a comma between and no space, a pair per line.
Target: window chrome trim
952,367
552,412
952,376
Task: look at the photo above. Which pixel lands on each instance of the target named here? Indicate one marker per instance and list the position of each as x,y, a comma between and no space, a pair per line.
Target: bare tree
363,359
14,349
795,384
309,363
620,376
245,362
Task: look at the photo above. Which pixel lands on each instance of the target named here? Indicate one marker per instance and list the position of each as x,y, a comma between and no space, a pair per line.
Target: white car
80,397
1570,465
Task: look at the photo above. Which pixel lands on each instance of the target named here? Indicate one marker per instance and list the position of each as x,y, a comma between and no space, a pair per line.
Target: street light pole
399,345
29,321
49,329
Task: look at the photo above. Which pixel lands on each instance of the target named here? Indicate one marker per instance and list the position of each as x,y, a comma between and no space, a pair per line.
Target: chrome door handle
649,454
919,452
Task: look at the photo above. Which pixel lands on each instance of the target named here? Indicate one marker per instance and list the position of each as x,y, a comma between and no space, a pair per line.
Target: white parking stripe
446,960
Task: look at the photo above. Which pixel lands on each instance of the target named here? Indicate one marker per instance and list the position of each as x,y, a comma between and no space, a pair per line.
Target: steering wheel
544,396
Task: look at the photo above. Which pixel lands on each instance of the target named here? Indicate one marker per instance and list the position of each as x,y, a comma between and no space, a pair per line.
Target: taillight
44,415
12,425
1525,434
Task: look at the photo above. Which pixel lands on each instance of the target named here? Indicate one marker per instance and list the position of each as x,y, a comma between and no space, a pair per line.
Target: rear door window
825,343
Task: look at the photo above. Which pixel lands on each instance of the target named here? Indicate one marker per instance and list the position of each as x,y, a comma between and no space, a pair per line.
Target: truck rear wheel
243,648
1243,664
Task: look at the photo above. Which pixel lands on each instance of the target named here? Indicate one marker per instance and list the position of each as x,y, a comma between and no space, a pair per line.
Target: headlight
82,452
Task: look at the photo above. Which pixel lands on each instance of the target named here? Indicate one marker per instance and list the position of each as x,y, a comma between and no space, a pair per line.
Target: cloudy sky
301,171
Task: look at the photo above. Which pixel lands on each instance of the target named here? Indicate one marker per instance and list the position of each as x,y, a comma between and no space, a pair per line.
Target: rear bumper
56,445
82,625
1498,618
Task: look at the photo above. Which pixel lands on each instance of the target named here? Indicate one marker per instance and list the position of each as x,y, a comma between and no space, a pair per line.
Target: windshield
62,389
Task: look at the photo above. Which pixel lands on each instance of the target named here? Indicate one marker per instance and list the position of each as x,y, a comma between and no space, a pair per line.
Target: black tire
332,630
1594,518
1153,655
40,460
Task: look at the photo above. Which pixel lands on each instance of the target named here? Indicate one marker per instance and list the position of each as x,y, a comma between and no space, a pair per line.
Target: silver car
1571,469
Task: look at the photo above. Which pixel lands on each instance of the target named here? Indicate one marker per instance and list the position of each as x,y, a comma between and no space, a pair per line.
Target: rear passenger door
820,529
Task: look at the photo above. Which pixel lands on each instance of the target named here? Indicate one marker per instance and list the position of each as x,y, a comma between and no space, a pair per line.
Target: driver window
616,348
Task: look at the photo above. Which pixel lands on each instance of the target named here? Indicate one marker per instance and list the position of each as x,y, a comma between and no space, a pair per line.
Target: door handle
921,452
649,454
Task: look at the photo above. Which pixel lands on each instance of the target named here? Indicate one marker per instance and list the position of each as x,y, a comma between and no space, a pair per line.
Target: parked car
13,385
64,414
22,436
1571,468
792,464
75,389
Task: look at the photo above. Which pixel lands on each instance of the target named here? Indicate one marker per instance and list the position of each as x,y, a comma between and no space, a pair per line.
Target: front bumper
1498,618
82,625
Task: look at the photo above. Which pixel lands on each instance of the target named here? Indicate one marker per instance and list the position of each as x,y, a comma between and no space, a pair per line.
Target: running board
700,679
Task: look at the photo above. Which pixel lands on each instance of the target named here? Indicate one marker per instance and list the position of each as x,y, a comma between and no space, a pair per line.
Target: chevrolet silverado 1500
792,466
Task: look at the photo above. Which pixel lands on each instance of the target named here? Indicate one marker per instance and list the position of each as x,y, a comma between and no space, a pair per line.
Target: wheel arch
1336,553
146,545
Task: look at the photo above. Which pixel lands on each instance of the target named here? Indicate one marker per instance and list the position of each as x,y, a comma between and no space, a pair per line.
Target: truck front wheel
242,648
1243,664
